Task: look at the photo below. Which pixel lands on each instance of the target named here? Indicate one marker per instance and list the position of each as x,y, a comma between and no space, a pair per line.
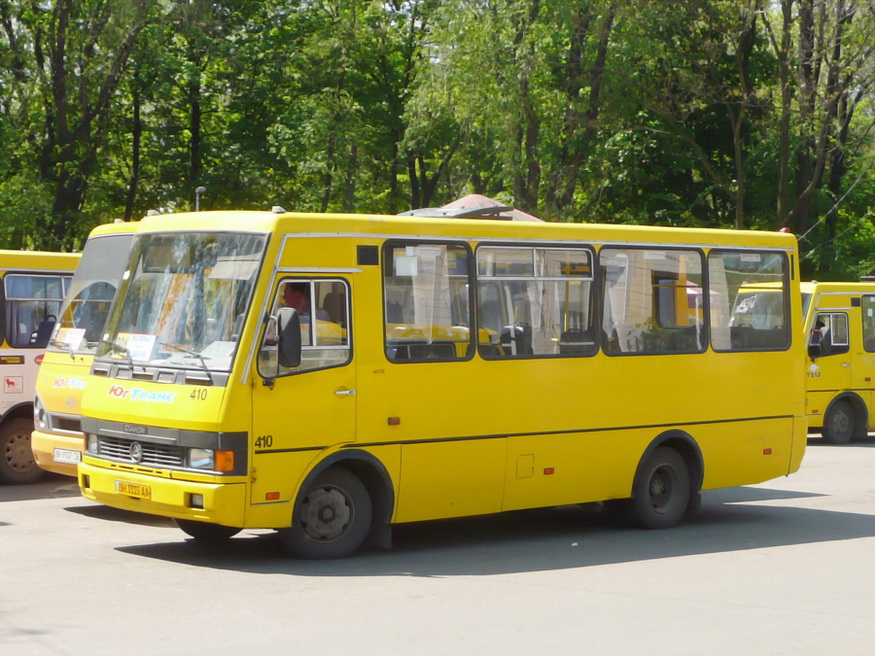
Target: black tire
332,518
17,464
206,532
661,491
840,423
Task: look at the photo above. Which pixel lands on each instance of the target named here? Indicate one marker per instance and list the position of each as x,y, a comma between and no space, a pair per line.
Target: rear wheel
206,532
840,423
17,464
332,518
661,491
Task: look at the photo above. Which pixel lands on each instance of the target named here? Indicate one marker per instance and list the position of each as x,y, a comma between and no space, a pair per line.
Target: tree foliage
721,113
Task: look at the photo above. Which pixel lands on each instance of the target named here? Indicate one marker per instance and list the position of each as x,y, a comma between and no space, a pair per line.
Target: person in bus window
297,295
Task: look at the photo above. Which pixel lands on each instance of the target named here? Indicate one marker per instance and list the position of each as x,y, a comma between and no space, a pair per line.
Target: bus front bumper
57,453
217,503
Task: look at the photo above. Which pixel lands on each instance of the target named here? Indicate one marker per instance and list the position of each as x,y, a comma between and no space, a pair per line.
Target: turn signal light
224,461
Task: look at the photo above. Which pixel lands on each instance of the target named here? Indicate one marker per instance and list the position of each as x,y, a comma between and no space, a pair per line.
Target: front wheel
840,423
332,518
17,464
661,491
206,532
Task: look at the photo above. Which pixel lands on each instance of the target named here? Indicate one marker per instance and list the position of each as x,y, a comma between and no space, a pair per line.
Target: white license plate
67,456
136,490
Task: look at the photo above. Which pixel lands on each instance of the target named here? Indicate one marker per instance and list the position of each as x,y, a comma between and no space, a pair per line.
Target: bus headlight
91,444
40,416
202,458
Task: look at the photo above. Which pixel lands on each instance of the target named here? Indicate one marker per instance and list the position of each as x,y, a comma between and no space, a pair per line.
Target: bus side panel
451,479
560,469
749,452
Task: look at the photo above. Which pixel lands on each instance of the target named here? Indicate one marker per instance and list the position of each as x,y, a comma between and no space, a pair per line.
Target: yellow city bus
33,288
840,325
443,367
57,440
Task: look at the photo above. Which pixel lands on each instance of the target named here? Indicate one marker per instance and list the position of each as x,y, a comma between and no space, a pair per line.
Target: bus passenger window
867,305
748,301
653,301
33,304
534,302
426,287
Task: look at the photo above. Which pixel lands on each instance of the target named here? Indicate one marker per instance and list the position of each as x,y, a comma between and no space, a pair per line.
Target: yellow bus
57,439
840,325
33,288
442,367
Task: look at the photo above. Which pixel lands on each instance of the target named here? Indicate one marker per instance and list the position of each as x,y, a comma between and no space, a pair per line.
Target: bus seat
575,340
43,331
520,336
333,306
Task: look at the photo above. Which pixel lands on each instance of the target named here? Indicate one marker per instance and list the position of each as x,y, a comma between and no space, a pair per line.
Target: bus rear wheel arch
661,491
332,516
17,463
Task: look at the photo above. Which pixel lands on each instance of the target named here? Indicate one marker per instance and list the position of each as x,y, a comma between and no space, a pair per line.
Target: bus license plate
133,489
67,456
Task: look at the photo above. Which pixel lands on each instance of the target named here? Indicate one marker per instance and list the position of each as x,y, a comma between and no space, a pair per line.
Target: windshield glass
86,307
185,301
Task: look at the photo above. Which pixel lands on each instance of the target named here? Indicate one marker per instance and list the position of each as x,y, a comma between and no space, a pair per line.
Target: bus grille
156,455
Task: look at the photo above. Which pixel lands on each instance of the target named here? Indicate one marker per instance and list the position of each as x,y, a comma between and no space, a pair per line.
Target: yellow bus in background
840,325
33,285
57,440
439,367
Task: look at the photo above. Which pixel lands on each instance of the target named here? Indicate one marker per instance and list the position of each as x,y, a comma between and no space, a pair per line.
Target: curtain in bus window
653,301
749,303
427,314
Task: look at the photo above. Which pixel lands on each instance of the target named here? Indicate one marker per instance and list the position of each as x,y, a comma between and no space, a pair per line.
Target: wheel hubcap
325,513
661,485
19,456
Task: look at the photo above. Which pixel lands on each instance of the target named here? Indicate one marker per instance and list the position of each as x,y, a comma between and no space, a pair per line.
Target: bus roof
38,261
363,225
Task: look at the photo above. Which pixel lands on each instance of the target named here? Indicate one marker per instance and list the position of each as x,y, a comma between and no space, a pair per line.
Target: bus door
299,411
863,349
829,345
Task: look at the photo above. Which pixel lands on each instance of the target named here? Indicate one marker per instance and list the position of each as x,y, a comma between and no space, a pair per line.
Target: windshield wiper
63,345
118,347
189,352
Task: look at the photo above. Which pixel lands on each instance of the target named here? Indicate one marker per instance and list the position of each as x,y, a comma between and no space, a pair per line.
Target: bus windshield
86,308
185,301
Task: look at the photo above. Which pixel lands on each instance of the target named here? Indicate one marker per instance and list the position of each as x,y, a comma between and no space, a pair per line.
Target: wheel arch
686,445
22,410
858,405
374,476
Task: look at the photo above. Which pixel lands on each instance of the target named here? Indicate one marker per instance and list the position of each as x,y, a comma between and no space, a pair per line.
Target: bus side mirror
288,337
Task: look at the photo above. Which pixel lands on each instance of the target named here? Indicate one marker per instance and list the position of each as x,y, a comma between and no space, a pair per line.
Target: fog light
196,501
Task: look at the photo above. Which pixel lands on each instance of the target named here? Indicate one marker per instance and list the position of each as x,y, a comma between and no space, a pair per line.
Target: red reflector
548,471
394,421
767,452
272,496
39,359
